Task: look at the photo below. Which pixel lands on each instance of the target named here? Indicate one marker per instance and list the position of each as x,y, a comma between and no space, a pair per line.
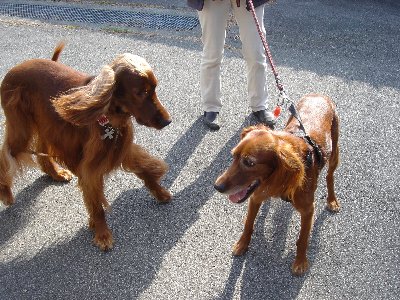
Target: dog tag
109,133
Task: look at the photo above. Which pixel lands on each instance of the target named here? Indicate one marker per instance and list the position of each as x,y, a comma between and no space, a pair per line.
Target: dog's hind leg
49,166
13,156
148,168
332,202
8,169
93,197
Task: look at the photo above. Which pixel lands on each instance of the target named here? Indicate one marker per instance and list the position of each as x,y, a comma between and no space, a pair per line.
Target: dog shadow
176,158
264,271
143,229
16,215
263,265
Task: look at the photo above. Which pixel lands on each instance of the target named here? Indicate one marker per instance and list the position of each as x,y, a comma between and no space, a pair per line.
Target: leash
282,94
278,81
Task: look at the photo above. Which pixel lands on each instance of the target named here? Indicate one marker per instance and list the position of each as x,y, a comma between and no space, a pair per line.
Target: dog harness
309,156
319,158
303,134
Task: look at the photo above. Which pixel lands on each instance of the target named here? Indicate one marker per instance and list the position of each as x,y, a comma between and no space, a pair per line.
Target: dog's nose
163,122
220,187
166,122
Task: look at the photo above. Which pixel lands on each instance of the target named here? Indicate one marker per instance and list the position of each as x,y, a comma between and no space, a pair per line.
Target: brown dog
281,164
82,123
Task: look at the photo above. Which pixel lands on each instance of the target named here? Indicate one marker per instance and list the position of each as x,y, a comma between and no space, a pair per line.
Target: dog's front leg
242,244
148,168
92,189
300,264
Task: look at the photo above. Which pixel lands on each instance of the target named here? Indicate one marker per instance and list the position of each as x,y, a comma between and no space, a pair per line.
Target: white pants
213,20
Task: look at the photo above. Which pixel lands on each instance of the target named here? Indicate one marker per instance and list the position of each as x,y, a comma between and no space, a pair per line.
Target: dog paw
8,201
6,196
333,206
104,240
162,195
239,248
299,267
63,175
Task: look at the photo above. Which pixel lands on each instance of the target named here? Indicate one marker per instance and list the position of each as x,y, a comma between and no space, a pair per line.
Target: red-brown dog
282,164
82,123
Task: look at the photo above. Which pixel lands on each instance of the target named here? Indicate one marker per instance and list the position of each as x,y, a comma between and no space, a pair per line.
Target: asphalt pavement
348,50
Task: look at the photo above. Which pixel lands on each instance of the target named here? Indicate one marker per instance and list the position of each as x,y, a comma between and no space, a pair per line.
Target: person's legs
213,19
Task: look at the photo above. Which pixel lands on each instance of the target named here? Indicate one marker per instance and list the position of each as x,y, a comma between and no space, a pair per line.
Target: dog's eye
144,93
248,162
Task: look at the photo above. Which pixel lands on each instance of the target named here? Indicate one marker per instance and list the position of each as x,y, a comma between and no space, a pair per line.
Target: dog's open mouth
242,195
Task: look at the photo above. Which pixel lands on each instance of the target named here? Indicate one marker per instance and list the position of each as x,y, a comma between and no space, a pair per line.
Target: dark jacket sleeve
198,4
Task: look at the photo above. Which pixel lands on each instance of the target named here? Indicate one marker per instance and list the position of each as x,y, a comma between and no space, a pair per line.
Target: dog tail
57,51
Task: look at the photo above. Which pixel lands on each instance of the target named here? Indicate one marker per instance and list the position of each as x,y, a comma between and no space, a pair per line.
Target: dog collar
109,131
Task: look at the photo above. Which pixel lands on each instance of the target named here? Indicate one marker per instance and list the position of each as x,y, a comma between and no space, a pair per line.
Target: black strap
317,150
293,111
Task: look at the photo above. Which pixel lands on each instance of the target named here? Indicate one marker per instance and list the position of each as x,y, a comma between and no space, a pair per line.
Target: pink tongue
238,196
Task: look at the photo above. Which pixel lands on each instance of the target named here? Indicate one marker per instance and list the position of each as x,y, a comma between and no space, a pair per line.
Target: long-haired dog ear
84,105
290,172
